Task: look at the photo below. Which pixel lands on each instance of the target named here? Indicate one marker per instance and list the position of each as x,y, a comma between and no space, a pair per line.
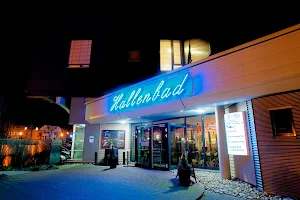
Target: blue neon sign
168,89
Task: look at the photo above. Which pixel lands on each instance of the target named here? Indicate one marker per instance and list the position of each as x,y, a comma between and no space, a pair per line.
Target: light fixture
36,128
26,128
125,121
200,110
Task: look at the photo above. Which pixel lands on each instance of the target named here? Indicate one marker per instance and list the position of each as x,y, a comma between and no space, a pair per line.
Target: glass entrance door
152,146
143,146
177,143
160,155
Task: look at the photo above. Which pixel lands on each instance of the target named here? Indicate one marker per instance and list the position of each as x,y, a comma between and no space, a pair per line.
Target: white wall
128,137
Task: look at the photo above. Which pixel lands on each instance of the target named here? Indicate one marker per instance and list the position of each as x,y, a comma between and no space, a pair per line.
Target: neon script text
162,91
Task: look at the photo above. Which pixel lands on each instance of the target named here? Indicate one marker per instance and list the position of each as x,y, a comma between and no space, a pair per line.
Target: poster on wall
91,139
236,133
114,137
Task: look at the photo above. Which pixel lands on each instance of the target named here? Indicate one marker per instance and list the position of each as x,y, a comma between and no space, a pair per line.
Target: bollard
127,158
124,158
96,158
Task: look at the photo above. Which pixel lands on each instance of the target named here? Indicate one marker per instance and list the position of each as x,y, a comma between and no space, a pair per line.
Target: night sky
224,26
36,112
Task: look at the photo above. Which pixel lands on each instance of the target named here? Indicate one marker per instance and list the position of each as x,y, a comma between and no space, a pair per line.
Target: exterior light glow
162,91
200,110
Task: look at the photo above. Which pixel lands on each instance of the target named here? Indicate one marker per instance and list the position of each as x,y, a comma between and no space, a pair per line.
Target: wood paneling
280,156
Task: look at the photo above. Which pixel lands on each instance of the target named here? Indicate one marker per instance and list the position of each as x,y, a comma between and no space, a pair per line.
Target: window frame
272,112
134,60
79,65
174,65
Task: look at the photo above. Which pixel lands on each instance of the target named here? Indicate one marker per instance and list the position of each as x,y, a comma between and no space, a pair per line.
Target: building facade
67,62
236,111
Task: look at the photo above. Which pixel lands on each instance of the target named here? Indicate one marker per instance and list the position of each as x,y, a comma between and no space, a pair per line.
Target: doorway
152,146
161,145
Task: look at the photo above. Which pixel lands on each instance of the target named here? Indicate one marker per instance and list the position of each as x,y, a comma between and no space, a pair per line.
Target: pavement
87,181
12,173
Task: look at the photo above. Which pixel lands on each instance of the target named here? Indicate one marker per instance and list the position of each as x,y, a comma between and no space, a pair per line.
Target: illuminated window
134,56
282,122
176,53
170,55
80,54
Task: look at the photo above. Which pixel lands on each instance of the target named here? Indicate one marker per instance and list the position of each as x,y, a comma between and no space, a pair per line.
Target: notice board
114,137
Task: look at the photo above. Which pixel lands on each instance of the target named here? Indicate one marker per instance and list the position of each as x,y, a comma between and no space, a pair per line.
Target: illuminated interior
80,54
77,141
172,58
196,134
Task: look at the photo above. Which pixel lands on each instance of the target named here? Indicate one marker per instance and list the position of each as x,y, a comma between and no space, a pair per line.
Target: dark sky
36,112
225,26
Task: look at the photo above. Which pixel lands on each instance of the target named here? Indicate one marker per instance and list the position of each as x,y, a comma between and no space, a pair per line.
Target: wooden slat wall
253,140
280,157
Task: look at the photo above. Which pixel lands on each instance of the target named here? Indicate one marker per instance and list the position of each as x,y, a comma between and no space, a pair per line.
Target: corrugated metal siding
254,146
279,157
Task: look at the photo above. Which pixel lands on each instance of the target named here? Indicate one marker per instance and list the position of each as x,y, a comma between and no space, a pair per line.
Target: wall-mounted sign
169,89
236,133
113,137
91,139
